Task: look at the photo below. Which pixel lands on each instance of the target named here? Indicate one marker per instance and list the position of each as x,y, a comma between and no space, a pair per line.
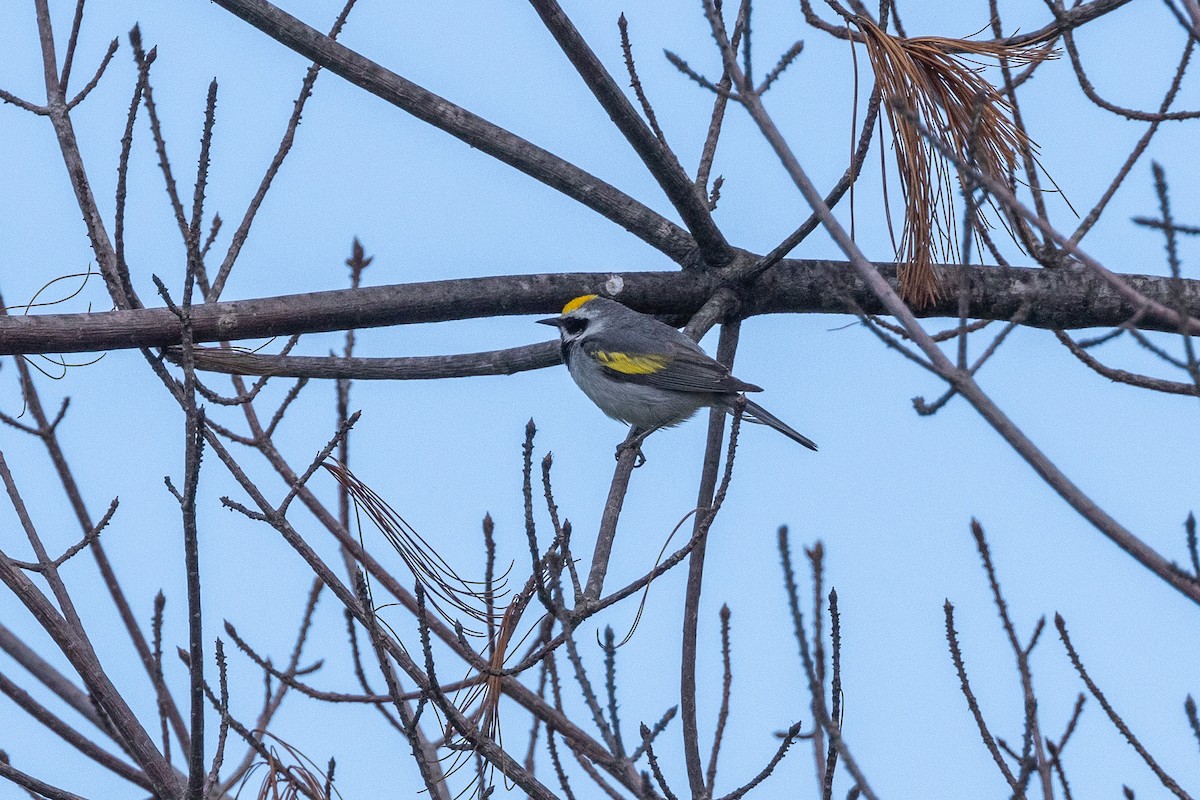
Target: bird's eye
574,325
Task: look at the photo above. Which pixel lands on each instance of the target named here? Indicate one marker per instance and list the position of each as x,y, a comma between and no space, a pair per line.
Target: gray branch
476,131
1060,299
427,368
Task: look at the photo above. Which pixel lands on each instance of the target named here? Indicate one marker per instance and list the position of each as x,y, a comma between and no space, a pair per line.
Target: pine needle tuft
934,83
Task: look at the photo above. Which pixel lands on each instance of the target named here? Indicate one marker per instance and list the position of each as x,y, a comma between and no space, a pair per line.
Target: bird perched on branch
644,372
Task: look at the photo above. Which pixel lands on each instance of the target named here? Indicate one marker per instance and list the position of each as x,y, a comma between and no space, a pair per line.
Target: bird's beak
555,321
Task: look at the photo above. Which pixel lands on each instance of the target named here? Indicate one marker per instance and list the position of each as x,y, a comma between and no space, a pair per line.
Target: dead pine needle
480,696
450,595
301,779
933,87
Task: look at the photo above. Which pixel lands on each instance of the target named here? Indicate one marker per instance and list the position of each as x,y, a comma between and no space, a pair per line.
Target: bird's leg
634,442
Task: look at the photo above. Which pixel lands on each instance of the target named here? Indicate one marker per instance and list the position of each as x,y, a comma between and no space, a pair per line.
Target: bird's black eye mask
574,326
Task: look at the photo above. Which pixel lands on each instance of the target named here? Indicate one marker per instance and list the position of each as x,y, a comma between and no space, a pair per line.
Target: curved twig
1122,376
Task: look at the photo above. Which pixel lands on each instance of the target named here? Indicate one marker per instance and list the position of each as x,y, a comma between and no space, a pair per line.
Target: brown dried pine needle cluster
932,88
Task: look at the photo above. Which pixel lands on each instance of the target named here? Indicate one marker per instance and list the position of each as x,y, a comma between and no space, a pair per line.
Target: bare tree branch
658,158
1061,300
474,130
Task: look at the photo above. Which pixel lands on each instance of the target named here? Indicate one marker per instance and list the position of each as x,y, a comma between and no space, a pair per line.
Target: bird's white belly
632,403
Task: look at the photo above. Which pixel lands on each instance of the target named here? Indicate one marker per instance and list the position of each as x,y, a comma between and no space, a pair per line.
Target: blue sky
891,494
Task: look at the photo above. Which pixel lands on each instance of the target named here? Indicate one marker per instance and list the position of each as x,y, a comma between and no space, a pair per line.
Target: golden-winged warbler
644,372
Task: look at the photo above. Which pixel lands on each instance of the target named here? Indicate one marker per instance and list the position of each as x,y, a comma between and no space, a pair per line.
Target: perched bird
644,372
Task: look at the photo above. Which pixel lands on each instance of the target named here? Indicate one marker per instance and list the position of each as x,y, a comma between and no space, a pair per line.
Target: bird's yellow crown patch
630,364
577,302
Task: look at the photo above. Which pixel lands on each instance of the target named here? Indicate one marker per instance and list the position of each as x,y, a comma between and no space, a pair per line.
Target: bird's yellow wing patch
577,302
632,364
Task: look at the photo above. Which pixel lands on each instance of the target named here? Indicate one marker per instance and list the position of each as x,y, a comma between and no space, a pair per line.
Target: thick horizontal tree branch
1059,299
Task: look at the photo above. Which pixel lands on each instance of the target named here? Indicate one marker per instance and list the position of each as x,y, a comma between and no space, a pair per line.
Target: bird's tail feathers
756,413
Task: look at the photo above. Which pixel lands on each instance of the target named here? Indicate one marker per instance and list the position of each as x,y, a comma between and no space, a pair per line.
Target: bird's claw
635,445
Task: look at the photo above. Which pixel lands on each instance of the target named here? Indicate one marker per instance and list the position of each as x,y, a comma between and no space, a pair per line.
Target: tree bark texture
1060,299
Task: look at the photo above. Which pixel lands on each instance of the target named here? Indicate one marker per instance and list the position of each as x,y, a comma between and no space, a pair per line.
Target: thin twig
710,777
835,691
648,747
1119,723
1123,376
988,740
635,82
285,146
1032,739
831,726
788,738
726,350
